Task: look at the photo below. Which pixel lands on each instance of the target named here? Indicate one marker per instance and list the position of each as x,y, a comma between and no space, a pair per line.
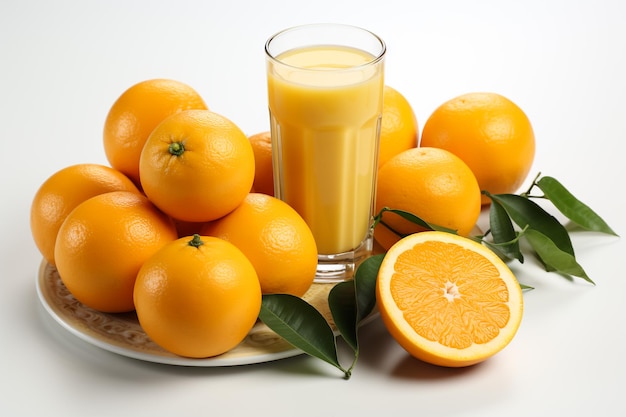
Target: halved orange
448,300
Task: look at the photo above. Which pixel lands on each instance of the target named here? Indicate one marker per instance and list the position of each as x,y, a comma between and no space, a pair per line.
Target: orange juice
325,106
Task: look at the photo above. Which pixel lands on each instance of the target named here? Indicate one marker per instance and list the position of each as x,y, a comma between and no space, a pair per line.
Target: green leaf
554,257
412,218
503,232
528,214
365,283
352,301
342,303
300,324
571,207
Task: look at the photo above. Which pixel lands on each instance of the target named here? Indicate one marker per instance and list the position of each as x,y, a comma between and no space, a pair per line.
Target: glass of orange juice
325,93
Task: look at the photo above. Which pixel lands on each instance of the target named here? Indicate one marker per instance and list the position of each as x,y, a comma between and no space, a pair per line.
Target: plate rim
168,358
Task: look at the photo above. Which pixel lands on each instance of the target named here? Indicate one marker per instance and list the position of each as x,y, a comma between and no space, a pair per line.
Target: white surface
65,62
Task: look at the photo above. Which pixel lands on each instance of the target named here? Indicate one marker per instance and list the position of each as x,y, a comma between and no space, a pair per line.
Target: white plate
122,334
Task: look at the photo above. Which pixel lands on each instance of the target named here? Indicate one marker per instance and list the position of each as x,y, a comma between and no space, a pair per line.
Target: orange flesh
450,295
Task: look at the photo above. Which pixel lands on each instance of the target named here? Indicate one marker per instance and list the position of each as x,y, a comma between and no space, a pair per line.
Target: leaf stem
348,373
532,185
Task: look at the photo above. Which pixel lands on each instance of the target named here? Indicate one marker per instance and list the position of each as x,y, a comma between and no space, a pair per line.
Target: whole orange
263,168
136,113
197,296
431,183
490,133
62,192
398,128
275,238
102,244
197,166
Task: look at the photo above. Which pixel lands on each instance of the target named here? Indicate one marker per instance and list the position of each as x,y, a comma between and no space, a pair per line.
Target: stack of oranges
470,143
171,229
183,228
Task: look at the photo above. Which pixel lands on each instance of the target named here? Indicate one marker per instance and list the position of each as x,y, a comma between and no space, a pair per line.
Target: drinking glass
325,93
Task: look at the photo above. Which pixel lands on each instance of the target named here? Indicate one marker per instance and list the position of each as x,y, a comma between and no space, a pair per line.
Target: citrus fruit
490,133
447,299
197,166
197,296
263,171
398,128
431,183
134,115
102,244
62,192
275,238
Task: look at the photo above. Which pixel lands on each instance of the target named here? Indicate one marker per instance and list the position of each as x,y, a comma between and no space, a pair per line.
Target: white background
65,62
